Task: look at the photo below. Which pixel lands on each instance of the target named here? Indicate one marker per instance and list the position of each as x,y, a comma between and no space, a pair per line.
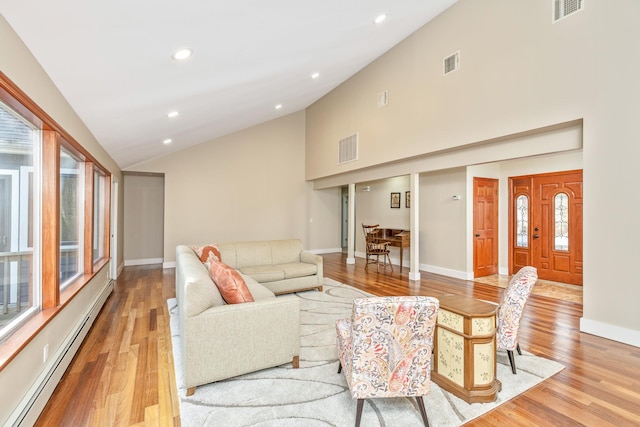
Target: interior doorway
545,225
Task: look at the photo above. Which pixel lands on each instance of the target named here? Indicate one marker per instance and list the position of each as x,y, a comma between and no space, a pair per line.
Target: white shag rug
316,395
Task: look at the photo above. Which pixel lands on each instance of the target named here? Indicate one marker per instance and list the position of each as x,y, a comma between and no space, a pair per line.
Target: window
45,194
19,284
522,221
71,216
561,208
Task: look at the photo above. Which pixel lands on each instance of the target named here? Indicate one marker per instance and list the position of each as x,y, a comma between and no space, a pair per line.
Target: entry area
545,225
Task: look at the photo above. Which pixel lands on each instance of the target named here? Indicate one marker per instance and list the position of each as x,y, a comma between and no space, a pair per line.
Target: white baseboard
612,332
463,275
128,262
28,411
170,264
325,251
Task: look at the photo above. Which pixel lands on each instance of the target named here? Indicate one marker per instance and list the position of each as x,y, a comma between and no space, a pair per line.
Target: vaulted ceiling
112,60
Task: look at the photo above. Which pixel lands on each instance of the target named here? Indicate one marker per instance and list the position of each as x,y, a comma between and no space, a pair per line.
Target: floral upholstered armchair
511,309
385,348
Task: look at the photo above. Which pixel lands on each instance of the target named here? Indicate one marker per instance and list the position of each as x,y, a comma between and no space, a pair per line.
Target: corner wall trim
608,331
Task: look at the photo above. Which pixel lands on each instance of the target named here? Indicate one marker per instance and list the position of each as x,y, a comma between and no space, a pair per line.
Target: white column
414,219
351,226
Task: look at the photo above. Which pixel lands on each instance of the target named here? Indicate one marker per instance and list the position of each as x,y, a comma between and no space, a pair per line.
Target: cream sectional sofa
280,265
220,340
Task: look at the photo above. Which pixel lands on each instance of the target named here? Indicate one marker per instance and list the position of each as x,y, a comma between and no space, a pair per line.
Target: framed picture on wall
407,199
395,200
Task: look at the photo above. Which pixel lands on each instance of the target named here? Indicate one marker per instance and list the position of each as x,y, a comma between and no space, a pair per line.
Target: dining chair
375,249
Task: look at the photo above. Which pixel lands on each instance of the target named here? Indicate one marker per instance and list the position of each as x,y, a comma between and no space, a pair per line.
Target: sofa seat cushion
264,273
298,269
258,291
230,283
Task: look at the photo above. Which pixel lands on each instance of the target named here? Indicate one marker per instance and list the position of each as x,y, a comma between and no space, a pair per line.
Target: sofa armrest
234,339
310,258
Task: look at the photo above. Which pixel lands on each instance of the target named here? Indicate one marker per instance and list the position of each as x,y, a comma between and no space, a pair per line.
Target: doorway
545,225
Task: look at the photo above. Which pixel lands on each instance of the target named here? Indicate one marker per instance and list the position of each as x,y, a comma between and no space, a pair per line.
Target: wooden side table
465,349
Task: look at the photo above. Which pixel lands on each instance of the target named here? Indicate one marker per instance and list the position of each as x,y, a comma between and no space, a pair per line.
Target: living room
276,179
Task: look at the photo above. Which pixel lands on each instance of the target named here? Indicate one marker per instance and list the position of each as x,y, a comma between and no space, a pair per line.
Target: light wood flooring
123,373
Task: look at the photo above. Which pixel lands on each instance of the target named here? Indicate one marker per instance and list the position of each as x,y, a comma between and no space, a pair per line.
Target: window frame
47,196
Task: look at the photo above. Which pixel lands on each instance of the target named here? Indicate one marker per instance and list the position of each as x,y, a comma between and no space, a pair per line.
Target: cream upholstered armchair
385,348
511,309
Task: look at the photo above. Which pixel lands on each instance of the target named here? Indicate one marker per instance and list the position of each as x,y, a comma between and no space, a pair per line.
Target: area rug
316,395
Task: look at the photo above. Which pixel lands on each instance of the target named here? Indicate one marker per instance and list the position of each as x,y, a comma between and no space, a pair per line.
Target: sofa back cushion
285,251
268,252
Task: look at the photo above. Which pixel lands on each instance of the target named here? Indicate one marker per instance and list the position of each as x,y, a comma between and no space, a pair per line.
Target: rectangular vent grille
564,8
348,149
451,63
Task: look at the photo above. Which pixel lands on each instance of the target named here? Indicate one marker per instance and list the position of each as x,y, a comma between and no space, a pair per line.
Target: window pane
98,216
561,206
71,223
522,221
18,293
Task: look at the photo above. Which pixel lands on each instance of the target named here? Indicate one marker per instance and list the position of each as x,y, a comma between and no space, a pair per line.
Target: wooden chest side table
465,348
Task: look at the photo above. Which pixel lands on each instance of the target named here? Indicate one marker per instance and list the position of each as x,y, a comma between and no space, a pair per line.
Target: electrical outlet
45,353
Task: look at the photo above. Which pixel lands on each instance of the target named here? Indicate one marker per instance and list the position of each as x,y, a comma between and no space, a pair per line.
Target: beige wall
27,369
143,219
519,73
246,186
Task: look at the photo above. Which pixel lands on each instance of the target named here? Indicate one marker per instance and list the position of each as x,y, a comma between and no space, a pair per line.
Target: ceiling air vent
348,149
564,8
451,63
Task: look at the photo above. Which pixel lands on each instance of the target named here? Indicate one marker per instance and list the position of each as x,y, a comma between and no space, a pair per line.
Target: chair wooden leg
191,391
296,362
423,411
339,367
512,360
518,348
359,412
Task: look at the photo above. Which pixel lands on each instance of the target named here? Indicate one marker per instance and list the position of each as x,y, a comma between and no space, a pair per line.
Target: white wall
246,186
519,72
442,221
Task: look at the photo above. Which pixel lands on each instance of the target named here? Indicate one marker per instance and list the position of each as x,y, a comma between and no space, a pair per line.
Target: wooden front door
485,226
545,225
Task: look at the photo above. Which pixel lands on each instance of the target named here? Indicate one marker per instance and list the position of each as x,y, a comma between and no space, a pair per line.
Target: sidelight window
561,208
522,221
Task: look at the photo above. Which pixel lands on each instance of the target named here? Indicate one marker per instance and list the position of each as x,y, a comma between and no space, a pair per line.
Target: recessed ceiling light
172,114
315,75
182,54
167,141
279,106
380,19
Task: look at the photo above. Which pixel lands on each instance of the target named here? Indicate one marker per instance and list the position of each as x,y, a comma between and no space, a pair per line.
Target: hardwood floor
123,373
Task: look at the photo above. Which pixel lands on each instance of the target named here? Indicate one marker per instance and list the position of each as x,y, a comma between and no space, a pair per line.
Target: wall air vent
564,8
348,149
451,63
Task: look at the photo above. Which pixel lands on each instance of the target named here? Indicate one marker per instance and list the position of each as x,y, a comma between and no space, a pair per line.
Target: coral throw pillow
230,283
208,253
